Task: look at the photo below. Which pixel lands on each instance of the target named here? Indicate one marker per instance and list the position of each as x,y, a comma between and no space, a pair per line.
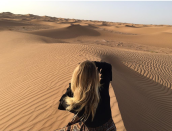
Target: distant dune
72,31
38,55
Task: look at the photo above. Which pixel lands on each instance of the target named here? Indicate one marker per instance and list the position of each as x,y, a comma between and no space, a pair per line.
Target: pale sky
137,12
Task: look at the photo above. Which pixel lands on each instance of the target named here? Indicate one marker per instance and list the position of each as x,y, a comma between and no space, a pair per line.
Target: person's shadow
145,105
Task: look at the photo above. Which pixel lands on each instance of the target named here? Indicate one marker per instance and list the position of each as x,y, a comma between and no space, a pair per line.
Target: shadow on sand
145,105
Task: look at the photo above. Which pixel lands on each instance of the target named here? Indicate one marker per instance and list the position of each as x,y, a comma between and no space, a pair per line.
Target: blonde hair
85,87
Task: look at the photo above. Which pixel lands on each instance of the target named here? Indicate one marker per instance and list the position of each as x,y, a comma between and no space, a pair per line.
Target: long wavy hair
85,87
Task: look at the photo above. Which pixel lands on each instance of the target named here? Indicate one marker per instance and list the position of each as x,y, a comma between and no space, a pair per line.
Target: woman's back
103,111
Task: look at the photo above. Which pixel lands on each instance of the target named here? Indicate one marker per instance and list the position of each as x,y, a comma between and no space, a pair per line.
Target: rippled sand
38,55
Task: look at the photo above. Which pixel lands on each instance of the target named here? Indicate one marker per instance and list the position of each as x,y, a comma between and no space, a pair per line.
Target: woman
89,97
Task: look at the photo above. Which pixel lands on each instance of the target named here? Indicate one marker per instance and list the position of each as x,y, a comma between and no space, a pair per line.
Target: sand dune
14,38
36,65
139,30
11,23
68,32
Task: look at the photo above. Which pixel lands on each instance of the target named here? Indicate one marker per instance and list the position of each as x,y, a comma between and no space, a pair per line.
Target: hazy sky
138,12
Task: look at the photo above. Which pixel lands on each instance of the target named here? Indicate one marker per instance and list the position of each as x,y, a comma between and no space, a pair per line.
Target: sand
39,53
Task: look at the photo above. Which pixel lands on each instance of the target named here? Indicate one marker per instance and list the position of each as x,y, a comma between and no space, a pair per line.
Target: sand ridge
37,62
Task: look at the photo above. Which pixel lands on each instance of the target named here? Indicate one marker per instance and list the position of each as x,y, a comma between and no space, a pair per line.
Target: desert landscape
38,55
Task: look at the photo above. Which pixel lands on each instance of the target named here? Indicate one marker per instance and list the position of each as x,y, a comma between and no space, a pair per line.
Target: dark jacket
103,112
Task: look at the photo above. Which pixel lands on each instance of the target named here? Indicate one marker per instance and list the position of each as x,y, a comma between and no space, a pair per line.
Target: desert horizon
40,53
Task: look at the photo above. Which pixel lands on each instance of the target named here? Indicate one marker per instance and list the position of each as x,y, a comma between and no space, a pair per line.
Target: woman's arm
106,72
62,104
